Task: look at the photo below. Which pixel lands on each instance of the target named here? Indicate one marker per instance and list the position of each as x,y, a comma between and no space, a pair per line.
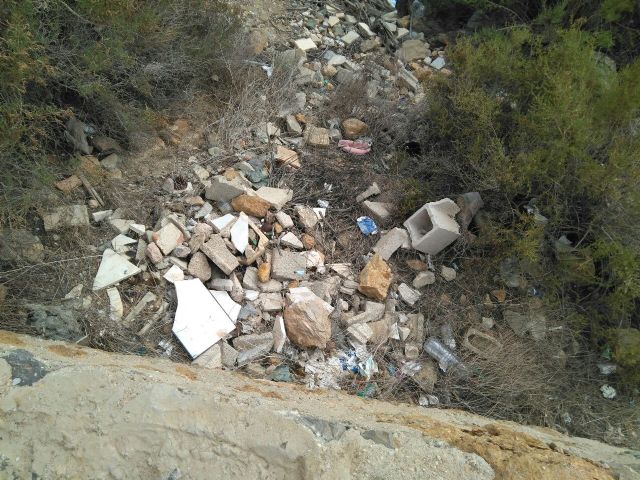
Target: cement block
433,227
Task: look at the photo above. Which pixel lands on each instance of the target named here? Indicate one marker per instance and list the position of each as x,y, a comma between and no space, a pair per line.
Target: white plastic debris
200,321
608,392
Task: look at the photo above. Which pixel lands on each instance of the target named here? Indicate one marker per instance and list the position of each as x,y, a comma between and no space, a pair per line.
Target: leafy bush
106,61
542,116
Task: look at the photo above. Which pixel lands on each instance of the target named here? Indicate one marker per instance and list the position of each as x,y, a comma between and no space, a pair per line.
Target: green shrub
528,117
106,61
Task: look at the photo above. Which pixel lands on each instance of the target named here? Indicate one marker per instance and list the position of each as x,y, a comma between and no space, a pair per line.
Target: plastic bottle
442,354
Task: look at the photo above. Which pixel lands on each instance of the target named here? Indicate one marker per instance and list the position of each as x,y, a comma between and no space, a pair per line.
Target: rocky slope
72,412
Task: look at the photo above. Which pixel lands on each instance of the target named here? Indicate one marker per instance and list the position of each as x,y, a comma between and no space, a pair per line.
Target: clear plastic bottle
442,354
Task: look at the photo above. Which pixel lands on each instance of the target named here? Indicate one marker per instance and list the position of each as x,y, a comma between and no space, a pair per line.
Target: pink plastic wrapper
354,147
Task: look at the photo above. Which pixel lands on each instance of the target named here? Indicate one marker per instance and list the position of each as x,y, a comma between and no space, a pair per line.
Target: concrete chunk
390,242
219,254
224,190
408,294
379,211
290,240
288,265
67,216
433,227
168,238
284,220
276,197
369,192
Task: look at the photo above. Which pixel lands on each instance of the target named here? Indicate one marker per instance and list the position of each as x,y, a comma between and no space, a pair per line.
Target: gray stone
247,342
18,245
269,302
111,162
290,240
211,358
448,273
284,220
182,251
390,242
219,254
368,45
343,75
221,284
277,197
408,80
373,312
408,294
229,355
272,286
67,216
378,211
423,279
369,192
223,190
360,333
168,238
412,50
293,126
250,279
365,30
120,225
199,267
203,211
252,355
350,37
288,265
306,216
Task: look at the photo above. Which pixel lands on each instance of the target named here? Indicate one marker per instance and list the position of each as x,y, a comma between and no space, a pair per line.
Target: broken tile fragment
113,269
199,321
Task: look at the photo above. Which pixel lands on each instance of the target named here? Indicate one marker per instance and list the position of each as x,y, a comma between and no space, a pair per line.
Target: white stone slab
220,223
113,269
231,308
174,274
200,321
240,233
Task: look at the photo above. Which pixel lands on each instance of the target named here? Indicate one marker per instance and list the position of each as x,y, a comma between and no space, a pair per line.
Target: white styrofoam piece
200,321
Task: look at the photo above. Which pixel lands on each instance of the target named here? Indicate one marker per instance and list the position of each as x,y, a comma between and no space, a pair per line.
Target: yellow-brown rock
264,272
375,278
253,206
308,241
354,128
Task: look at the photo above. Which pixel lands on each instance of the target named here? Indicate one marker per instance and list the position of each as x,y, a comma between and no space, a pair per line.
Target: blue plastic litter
367,226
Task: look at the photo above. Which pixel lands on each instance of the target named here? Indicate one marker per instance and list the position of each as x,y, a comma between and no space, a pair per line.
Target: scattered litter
442,354
355,147
608,392
367,226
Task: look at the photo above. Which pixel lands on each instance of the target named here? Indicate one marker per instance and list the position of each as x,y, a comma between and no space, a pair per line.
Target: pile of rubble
251,281
249,273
